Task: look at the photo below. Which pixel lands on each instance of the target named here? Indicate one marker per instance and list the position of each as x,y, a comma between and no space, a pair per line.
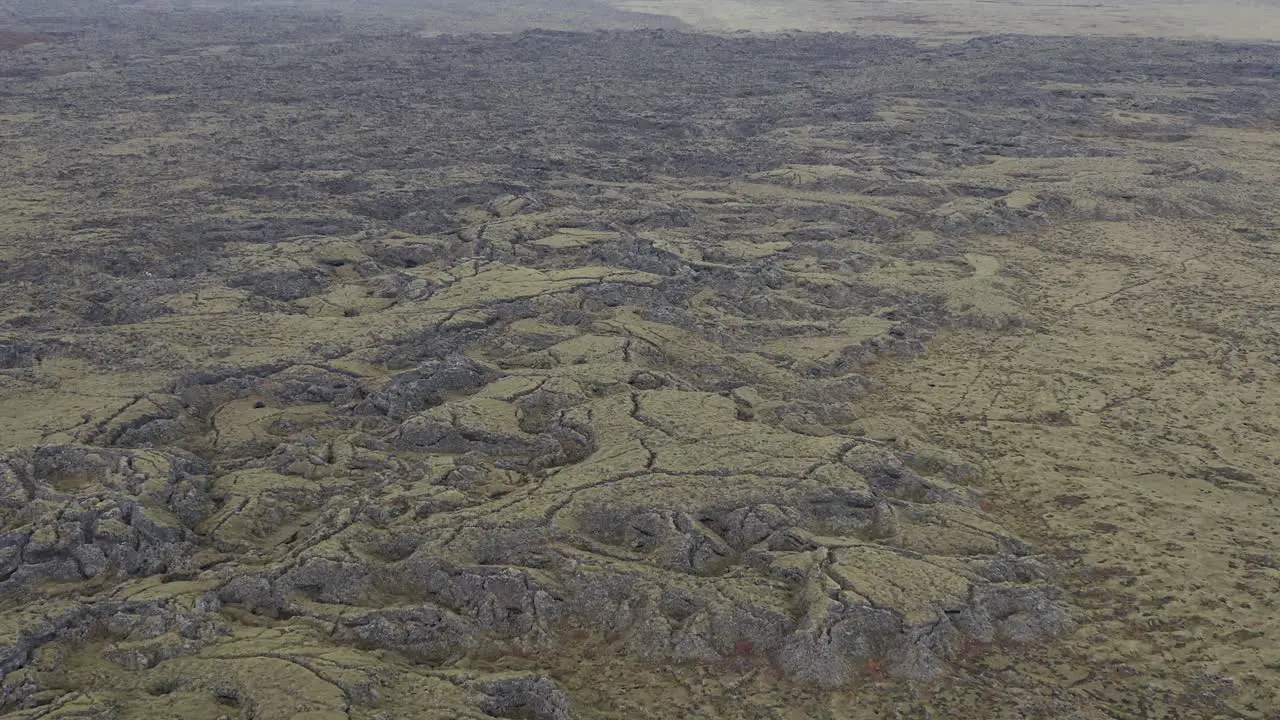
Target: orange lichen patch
12,40
973,648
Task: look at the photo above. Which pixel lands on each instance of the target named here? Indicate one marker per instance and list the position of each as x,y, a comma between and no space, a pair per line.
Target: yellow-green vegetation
350,372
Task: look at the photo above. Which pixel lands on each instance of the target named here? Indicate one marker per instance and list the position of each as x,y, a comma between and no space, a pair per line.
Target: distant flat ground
1231,19
924,19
